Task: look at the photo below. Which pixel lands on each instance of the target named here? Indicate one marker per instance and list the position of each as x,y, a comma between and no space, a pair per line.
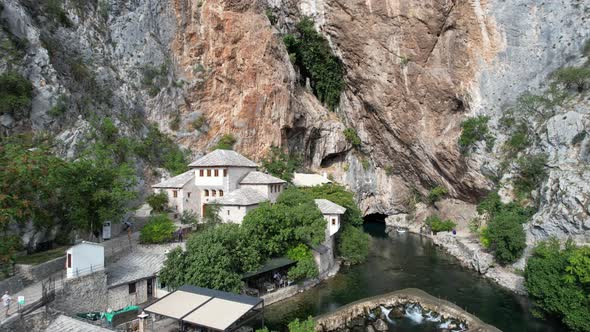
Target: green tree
226,142
573,77
506,236
159,229
158,201
189,217
353,245
310,51
214,258
438,225
211,216
307,325
339,195
160,150
15,93
305,267
281,164
556,286
531,173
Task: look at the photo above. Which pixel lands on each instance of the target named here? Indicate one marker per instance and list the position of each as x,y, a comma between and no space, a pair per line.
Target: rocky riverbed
386,312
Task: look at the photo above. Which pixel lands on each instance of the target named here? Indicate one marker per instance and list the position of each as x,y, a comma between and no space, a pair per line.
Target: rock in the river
380,325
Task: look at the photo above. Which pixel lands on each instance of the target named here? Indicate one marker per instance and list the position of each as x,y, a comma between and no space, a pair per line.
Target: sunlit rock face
414,70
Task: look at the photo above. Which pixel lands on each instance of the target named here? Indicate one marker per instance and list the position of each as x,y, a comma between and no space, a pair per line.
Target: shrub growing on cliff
475,130
353,245
226,142
310,51
531,172
436,194
436,224
573,77
558,282
352,137
15,93
159,229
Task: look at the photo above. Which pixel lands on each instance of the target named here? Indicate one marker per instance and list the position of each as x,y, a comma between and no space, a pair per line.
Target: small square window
188,194
201,172
216,172
333,221
174,193
225,172
208,172
228,212
132,288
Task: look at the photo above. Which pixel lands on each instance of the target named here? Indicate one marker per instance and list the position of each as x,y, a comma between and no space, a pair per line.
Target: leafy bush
272,18
160,150
352,137
474,130
305,267
558,282
158,201
519,138
60,107
307,325
310,51
366,164
54,9
159,229
353,245
438,225
436,194
506,236
573,77
484,237
15,93
211,216
226,142
531,172
281,164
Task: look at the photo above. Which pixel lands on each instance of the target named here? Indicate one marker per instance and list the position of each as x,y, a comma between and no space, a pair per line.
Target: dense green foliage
353,245
293,219
281,164
310,51
438,225
305,267
436,194
504,234
211,216
474,130
214,258
307,325
339,195
531,172
159,229
158,201
352,137
226,142
15,93
558,282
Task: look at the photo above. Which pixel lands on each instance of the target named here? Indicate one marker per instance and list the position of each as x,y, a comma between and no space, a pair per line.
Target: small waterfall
432,317
386,312
414,312
445,325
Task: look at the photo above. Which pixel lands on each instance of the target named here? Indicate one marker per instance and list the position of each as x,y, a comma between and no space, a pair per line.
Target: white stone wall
235,175
119,297
85,259
212,180
332,227
234,214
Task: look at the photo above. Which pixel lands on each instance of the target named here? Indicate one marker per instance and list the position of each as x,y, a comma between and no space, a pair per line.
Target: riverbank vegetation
504,234
353,245
558,281
436,224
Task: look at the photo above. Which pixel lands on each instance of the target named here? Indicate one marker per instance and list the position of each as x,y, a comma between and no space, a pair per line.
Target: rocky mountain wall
414,71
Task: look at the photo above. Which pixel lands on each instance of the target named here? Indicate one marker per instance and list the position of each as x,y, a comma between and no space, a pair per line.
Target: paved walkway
34,292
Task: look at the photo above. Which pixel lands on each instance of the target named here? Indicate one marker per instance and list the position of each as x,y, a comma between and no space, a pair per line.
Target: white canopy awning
205,307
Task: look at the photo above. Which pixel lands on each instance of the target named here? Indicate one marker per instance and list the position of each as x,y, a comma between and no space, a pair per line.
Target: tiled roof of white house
176,182
223,158
68,324
256,177
309,180
329,207
141,263
241,197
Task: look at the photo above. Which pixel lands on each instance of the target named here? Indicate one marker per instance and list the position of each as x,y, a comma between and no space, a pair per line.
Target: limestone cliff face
414,71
